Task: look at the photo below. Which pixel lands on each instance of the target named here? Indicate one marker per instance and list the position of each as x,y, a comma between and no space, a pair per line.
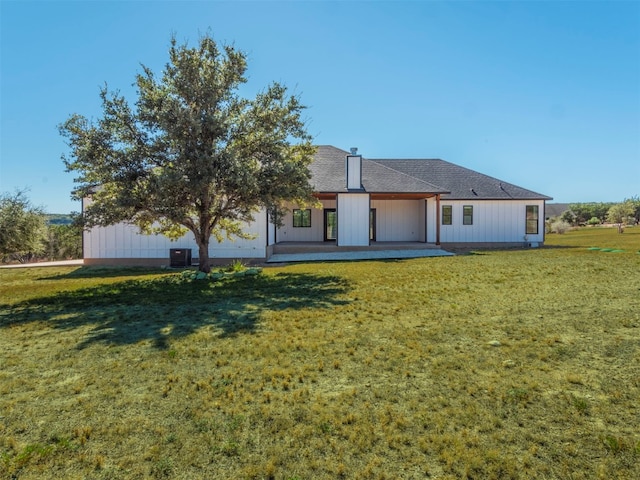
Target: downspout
438,219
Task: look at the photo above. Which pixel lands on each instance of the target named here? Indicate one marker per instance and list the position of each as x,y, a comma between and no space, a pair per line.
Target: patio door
372,225
330,224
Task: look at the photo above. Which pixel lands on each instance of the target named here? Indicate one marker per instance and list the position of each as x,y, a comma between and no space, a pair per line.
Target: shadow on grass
163,308
106,272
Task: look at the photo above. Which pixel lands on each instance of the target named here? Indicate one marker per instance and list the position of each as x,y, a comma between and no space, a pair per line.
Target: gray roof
556,209
328,174
461,182
413,176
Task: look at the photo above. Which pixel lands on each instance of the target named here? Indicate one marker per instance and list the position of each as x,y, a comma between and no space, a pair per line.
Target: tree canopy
191,154
593,213
621,213
28,234
635,202
22,227
581,213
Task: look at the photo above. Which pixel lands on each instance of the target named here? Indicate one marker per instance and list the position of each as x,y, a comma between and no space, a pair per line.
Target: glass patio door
330,224
372,225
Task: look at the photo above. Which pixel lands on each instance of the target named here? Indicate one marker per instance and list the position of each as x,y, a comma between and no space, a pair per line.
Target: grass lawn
499,364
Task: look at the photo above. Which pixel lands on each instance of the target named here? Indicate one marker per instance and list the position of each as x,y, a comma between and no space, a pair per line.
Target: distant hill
59,219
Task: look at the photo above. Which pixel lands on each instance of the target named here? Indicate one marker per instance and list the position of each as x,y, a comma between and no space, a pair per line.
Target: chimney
354,170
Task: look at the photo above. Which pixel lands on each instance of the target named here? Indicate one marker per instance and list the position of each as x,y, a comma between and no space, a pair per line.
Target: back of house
362,203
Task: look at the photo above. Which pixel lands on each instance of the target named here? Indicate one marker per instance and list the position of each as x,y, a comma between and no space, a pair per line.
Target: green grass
505,364
601,237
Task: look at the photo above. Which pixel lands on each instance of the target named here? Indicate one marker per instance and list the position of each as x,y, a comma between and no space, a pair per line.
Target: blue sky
542,94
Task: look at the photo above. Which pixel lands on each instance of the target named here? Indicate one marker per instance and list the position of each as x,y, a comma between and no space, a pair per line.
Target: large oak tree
191,154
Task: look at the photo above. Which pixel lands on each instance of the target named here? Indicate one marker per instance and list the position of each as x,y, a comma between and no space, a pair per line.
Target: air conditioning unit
180,257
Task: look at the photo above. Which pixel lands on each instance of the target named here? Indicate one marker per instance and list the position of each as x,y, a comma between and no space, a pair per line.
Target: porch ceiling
382,196
401,196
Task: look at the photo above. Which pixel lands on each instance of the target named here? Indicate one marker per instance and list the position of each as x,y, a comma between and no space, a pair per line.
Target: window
447,215
467,215
302,217
532,219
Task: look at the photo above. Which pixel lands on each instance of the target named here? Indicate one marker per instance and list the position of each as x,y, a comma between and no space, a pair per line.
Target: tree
192,155
635,201
620,213
568,217
22,228
583,212
64,241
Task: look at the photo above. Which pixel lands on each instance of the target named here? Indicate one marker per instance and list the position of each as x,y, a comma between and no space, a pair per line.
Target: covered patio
323,252
286,252
332,247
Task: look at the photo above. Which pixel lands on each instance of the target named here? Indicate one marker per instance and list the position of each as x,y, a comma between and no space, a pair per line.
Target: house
554,210
363,203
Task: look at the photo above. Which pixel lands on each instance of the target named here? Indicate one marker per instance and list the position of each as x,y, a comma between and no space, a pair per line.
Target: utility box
180,257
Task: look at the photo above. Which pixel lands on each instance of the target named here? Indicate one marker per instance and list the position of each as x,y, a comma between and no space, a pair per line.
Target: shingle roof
328,175
413,176
462,183
556,209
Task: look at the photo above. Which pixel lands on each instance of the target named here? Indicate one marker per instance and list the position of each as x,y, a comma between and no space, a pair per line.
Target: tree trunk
203,256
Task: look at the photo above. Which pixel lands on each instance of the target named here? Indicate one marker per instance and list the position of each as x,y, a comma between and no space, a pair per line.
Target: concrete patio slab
357,255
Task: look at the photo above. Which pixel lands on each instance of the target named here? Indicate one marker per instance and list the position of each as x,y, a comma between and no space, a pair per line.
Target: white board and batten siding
353,219
422,205
314,233
399,220
271,232
494,221
123,241
354,172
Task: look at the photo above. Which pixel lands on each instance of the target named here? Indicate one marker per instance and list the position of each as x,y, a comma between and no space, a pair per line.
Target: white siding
430,210
353,219
354,172
272,233
399,220
124,241
315,233
494,221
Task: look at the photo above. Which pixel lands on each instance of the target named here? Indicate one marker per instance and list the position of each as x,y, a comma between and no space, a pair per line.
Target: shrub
236,266
560,227
593,221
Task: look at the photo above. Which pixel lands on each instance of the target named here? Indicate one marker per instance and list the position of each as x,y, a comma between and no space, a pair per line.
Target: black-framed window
302,217
447,215
467,215
533,213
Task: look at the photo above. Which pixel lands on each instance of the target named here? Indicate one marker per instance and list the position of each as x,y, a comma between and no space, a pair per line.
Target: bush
560,227
63,242
236,266
22,228
593,221
221,274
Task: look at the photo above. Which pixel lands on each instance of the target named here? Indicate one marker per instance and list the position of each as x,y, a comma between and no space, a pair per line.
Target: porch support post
438,219
266,214
275,233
